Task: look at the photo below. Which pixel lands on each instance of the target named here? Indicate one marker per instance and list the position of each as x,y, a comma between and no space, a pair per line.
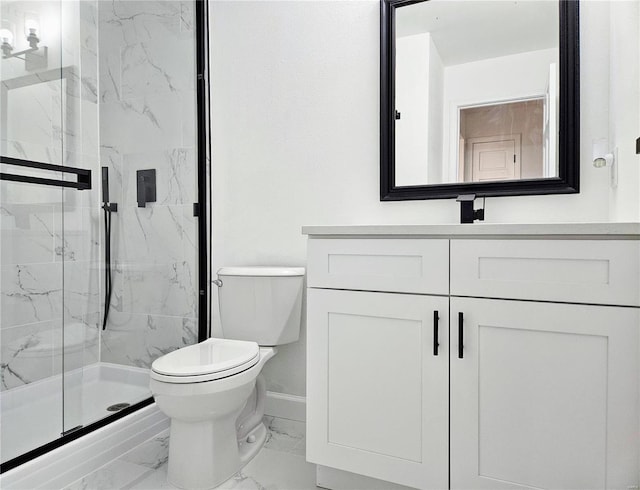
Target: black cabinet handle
435,332
460,335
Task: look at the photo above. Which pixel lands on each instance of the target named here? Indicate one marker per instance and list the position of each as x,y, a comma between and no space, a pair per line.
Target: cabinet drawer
396,265
576,271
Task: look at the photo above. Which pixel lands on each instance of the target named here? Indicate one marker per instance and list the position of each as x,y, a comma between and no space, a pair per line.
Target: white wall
413,102
295,121
624,100
420,100
436,103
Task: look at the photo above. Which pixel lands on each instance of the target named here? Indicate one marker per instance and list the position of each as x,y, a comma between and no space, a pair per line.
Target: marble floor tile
117,474
269,470
152,480
280,465
285,435
274,470
152,454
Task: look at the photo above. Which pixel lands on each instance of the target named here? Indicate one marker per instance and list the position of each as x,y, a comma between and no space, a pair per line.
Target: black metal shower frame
201,210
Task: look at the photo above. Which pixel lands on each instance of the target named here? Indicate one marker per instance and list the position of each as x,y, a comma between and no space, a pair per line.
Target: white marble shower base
32,415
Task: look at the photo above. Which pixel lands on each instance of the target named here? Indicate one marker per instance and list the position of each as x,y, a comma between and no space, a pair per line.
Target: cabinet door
544,396
377,395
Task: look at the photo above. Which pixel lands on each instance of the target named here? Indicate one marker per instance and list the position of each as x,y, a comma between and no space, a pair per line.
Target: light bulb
31,29
31,26
6,36
599,162
602,157
604,160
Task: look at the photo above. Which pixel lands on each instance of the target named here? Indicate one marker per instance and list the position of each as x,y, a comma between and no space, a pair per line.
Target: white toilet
213,391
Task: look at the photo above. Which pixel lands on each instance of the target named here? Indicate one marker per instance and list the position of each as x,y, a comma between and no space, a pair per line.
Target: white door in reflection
495,158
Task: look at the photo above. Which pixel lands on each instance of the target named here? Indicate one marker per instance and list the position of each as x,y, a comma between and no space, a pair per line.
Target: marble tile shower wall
50,119
147,120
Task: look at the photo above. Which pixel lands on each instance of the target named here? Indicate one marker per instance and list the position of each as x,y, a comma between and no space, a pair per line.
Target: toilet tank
262,304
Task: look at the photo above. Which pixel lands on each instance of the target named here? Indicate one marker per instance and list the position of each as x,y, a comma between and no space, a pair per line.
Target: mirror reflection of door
501,141
495,158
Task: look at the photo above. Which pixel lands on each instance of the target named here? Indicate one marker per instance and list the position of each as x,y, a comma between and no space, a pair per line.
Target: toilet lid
208,357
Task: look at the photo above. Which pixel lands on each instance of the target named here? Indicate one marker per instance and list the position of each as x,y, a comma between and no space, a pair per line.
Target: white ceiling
471,30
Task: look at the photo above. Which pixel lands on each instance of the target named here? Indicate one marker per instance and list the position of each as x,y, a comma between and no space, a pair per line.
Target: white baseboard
334,479
66,464
285,406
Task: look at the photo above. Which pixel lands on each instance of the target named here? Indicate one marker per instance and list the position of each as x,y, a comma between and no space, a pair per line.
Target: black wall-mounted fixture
106,203
467,213
108,208
638,146
146,184
105,185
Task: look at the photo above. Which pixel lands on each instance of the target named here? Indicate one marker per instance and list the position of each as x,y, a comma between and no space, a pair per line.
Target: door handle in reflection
460,335
435,332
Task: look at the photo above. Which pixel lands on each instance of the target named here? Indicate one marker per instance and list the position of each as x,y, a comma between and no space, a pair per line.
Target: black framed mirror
478,97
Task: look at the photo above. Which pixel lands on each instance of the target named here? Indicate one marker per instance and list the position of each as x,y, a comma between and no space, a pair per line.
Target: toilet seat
207,361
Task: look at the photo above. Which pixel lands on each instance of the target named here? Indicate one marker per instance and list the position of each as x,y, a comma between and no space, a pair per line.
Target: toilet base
248,450
218,458
202,454
211,424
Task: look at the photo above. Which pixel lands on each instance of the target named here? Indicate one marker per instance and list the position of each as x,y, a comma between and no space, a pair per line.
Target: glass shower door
40,374
131,242
93,287
39,199
80,246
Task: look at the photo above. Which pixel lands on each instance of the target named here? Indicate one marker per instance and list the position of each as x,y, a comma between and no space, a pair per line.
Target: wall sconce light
6,37
603,158
35,57
31,28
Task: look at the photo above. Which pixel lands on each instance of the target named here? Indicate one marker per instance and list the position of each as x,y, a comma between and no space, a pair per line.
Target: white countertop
482,230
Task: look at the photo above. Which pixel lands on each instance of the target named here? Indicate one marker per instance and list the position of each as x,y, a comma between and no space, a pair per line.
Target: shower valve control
146,186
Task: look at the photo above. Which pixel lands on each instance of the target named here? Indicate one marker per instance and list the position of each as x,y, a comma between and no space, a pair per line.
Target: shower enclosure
102,267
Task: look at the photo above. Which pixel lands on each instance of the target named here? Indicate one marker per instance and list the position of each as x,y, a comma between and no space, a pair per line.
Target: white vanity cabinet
378,362
536,379
543,395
